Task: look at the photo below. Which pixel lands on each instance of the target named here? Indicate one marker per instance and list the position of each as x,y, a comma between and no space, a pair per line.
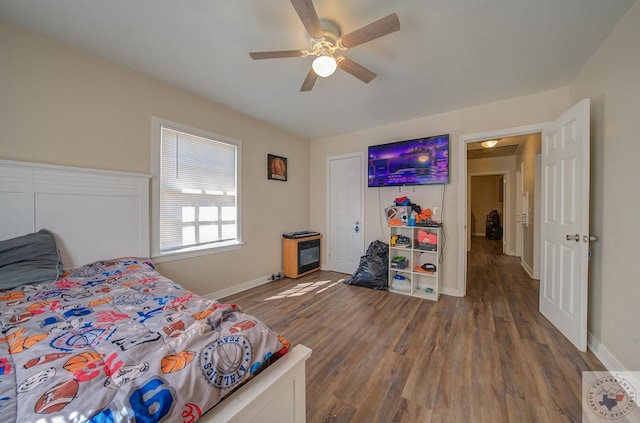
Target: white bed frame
81,206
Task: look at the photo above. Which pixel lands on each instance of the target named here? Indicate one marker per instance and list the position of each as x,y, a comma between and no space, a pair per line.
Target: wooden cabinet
301,256
412,249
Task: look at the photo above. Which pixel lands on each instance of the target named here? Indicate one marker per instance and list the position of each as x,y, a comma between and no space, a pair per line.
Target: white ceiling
505,147
448,54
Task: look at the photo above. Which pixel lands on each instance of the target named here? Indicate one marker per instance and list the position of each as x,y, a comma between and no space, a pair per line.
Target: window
196,182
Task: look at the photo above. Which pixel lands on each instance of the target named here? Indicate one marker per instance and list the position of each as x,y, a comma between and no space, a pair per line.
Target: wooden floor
383,357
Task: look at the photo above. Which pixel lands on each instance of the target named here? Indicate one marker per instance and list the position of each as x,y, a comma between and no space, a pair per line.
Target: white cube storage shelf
419,245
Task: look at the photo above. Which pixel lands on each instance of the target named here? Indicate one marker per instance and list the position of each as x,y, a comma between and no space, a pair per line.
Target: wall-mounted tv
422,161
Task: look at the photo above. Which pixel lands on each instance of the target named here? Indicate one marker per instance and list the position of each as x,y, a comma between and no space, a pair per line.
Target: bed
110,339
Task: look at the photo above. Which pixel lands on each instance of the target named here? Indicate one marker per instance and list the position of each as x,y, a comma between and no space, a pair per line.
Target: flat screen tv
422,161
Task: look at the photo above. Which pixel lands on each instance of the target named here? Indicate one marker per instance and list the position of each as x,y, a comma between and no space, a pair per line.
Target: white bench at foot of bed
277,394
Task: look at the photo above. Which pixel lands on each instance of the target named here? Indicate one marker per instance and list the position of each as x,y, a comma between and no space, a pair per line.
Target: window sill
185,254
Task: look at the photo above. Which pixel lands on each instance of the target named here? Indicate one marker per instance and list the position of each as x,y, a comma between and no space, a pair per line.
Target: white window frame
156,135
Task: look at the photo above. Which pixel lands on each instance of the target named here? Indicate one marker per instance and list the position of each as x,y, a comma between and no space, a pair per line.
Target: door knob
590,238
575,238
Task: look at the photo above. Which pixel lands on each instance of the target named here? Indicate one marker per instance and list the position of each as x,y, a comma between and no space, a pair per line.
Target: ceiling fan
326,41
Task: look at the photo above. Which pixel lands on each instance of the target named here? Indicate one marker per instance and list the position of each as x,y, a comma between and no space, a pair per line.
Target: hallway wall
526,154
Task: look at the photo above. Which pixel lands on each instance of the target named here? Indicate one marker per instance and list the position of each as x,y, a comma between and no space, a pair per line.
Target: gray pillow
31,258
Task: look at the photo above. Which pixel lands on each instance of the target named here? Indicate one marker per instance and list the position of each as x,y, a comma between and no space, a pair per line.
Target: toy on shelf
397,215
395,222
427,241
400,283
399,262
424,216
400,241
405,213
402,201
428,268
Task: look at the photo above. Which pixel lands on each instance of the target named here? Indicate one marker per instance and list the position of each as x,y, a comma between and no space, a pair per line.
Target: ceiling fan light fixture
325,38
324,65
489,143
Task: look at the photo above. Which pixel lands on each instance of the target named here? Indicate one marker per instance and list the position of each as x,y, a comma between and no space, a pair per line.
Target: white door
565,223
345,238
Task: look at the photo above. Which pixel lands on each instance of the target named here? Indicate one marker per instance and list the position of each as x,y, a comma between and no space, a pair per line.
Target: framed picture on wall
276,167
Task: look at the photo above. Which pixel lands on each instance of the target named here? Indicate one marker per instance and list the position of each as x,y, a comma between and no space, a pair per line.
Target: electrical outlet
436,211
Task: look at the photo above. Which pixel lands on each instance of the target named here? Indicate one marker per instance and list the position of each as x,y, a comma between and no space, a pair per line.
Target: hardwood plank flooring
383,357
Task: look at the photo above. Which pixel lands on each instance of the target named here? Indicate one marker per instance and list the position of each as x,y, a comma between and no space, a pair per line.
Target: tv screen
422,161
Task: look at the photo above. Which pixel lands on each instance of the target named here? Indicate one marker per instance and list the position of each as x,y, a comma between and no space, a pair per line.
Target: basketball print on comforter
117,341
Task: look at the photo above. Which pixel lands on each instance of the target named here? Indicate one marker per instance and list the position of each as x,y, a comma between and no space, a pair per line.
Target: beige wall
63,107
611,79
526,155
521,111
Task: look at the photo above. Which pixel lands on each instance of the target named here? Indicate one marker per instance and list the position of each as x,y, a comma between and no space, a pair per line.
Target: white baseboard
610,362
527,268
603,354
451,292
238,288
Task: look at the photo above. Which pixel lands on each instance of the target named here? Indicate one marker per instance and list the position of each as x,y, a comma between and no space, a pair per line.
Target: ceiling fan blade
309,17
258,55
359,71
377,29
309,81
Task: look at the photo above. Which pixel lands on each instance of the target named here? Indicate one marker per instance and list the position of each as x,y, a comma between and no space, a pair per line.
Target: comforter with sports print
116,341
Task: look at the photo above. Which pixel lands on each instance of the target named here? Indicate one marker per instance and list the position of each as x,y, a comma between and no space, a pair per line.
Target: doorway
488,207
345,208
563,216
512,219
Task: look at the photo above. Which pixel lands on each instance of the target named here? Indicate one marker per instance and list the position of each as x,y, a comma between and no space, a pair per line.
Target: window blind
198,204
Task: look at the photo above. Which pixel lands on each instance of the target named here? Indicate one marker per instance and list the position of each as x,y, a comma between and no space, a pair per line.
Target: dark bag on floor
373,270
493,228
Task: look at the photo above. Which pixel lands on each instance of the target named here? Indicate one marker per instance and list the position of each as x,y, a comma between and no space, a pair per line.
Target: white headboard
95,214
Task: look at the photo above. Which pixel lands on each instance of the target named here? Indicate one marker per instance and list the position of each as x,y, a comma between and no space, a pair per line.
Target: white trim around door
463,140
